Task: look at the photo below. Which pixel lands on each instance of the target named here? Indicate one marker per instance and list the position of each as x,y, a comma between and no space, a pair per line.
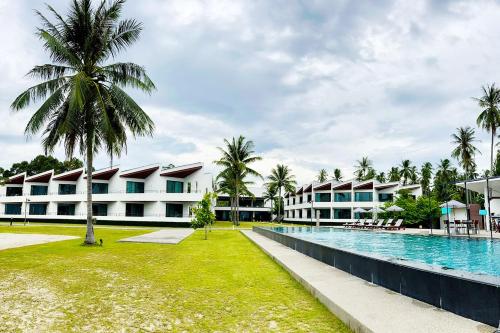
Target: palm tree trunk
271,210
89,237
237,208
279,204
491,153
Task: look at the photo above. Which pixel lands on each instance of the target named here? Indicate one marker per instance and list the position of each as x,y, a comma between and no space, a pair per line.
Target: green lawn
224,284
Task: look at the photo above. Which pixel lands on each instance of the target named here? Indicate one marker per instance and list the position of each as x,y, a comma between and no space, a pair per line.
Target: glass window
39,189
309,197
134,209
293,201
341,214
383,197
135,187
13,209
363,196
308,213
175,186
342,197
323,213
67,189
14,191
99,188
99,209
259,203
300,199
322,197
38,209
173,210
189,188
65,209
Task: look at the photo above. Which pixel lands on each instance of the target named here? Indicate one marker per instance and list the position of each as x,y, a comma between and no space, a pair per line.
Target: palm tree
381,177
489,118
446,174
235,161
465,150
337,174
425,177
322,176
362,168
270,196
281,178
84,105
406,171
414,175
394,175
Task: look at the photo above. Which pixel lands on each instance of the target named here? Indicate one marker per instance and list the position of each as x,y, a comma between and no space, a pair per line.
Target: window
322,197
300,199
13,209
134,209
309,197
65,209
363,196
258,203
174,210
341,214
39,189
135,187
189,188
300,213
67,189
223,202
99,209
38,209
175,186
323,213
383,197
99,188
309,213
293,201
14,191
342,197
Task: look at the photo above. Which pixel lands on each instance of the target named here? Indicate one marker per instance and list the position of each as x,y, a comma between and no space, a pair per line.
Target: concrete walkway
164,236
363,306
10,240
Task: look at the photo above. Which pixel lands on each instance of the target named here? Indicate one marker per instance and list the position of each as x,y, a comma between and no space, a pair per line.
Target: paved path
363,306
9,240
164,236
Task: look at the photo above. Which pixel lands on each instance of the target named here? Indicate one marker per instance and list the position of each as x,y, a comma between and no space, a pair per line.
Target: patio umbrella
359,210
394,208
375,211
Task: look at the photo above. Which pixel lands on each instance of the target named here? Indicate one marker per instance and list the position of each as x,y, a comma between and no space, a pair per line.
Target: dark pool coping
478,295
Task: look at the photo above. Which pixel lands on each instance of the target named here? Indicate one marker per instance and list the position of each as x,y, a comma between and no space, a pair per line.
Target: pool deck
363,306
426,232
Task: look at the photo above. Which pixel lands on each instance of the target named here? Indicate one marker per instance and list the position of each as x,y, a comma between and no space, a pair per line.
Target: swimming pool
454,274
479,256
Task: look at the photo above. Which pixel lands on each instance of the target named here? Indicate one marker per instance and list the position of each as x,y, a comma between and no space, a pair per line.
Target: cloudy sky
315,84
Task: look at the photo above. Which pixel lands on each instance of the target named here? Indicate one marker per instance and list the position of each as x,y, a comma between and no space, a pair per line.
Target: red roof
181,172
104,174
140,174
18,179
40,178
71,176
324,187
342,187
308,188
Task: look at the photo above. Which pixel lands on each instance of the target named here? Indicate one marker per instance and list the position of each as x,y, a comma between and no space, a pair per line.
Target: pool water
480,256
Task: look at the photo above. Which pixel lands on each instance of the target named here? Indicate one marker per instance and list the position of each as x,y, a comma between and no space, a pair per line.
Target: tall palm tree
235,161
446,174
362,168
281,178
84,106
269,195
322,176
394,175
425,177
489,118
465,150
227,183
337,174
406,171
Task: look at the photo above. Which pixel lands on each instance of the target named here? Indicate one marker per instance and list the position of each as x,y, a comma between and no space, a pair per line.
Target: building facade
147,194
334,202
250,208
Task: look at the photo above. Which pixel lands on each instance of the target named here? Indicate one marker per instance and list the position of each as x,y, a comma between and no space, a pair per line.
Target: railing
109,192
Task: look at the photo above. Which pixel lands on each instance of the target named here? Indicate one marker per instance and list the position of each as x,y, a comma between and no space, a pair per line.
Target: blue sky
316,84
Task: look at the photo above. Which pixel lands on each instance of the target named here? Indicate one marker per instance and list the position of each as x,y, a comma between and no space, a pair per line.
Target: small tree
203,214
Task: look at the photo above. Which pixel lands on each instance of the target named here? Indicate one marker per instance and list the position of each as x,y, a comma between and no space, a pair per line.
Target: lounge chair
396,225
361,224
350,224
387,224
378,225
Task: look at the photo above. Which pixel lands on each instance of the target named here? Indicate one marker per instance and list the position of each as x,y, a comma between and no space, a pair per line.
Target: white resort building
334,202
149,194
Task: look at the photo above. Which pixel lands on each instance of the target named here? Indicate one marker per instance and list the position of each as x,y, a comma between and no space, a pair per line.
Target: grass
225,284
